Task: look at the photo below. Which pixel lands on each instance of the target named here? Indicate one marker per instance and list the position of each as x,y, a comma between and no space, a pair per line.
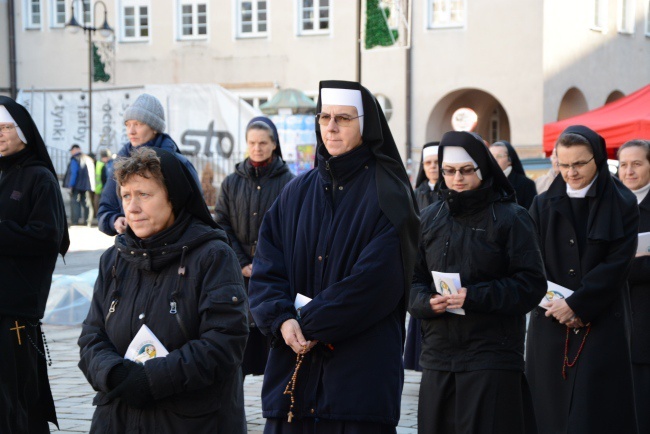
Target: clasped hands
440,303
560,310
293,337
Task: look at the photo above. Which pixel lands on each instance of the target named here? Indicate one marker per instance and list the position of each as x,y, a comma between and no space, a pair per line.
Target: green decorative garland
377,31
99,68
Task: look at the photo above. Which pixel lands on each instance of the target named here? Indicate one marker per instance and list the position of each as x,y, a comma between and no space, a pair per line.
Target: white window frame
54,14
195,19
626,16
78,12
317,7
255,33
647,19
255,97
603,13
136,5
448,25
30,16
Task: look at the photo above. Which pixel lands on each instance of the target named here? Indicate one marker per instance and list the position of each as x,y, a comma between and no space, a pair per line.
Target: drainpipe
359,41
13,89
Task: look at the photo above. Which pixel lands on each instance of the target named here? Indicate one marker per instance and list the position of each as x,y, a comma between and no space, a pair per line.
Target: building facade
517,64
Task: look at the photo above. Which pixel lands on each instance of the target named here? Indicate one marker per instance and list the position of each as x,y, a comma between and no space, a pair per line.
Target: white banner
202,119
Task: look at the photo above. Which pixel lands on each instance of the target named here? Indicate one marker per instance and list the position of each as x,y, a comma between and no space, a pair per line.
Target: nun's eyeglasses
341,120
577,165
465,171
7,128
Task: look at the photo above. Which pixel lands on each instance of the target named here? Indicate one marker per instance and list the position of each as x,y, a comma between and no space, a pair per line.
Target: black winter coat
500,265
597,396
197,387
524,187
639,281
245,197
32,225
425,196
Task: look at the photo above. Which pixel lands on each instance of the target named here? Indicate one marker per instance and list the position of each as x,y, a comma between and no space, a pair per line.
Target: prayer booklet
554,292
300,301
447,284
644,243
145,346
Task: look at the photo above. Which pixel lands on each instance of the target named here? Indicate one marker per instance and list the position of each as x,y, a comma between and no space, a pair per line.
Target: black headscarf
517,167
605,221
36,144
494,182
183,191
278,150
422,177
396,197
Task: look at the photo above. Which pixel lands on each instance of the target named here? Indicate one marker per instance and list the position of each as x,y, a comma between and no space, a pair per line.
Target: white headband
6,118
429,151
456,155
336,96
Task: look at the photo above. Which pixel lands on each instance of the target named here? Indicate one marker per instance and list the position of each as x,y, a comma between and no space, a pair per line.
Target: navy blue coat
110,205
327,238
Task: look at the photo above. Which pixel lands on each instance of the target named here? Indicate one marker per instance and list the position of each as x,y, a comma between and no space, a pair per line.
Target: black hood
517,167
396,197
422,177
490,170
278,150
36,145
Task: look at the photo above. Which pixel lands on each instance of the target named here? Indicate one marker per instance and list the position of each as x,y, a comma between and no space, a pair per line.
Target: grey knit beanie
147,109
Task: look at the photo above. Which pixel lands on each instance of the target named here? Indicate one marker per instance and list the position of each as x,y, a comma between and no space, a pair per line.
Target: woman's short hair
643,144
259,125
571,139
144,162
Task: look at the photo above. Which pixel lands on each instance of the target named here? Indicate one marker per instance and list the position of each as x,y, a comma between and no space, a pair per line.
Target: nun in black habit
344,235
510,163
472,360
578,353
33,231
425,195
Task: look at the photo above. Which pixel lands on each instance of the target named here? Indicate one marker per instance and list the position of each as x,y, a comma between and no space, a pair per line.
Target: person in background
345,236
544,182
33,232
634,172
145,126
173,271
577,352
81,182
510,163
101,177
473,360
425,196
207,185
245,197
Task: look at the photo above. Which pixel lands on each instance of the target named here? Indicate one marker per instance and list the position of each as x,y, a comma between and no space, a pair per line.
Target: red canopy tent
622,120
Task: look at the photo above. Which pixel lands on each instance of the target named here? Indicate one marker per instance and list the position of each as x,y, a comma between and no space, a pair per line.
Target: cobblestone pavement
73,395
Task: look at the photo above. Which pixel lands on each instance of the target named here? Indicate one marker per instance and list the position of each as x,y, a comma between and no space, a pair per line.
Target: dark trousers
478,402
322,426
80,207
641,373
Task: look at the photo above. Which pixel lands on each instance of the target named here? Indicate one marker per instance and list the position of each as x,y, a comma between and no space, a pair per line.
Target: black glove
134,389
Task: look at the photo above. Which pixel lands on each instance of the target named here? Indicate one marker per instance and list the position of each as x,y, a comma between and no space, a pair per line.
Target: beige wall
522,54
597,63
4,48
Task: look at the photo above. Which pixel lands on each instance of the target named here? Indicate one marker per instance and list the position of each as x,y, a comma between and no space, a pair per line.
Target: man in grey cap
145,126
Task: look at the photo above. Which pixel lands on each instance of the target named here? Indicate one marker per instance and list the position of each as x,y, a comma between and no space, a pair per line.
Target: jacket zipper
112,309
174,311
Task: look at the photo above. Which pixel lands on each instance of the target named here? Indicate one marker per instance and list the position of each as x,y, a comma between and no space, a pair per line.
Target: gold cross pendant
17,328
290,414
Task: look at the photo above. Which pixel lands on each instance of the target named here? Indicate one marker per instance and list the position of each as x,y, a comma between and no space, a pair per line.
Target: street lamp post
105,31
